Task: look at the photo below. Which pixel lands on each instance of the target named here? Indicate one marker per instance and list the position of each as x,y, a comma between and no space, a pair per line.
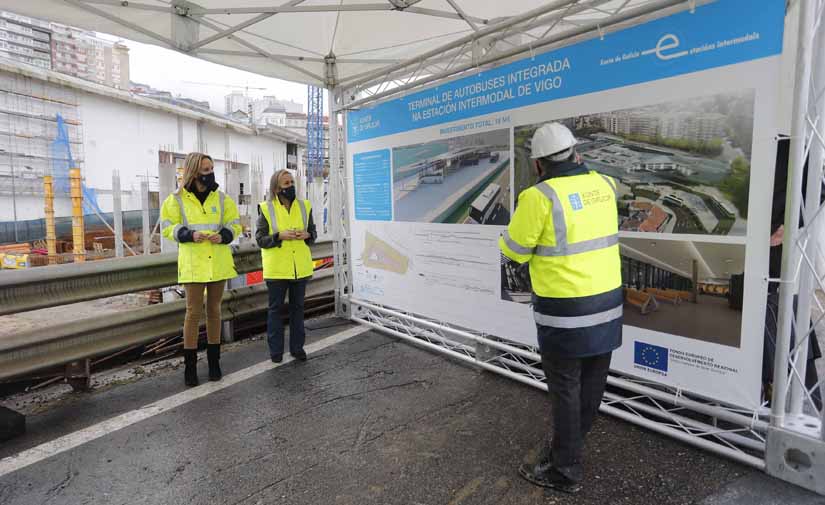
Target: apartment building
25,40
78,53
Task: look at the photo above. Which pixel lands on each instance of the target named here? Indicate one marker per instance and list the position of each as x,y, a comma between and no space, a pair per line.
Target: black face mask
288,193
208,180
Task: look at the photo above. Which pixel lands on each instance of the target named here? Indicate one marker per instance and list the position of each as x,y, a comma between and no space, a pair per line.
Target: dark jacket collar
565,169
201,196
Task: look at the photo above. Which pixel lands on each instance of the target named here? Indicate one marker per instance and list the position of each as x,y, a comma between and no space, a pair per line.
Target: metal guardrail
76,340
68,342
43,287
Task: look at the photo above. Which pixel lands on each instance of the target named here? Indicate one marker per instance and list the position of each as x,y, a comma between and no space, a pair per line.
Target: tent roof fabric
298,40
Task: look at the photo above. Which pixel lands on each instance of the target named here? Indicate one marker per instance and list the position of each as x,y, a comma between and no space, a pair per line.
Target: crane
246,89
315,132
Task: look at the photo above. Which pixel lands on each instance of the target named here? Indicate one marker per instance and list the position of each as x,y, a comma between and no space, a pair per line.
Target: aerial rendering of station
465,180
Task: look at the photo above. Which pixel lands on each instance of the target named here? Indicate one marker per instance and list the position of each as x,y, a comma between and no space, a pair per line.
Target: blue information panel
373,186
717,35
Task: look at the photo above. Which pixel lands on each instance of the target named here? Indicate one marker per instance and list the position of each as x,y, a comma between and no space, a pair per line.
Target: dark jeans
576,386
274,323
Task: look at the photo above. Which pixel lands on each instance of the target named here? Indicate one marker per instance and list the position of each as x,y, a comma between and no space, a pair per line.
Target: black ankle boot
190,371
548,477
213,357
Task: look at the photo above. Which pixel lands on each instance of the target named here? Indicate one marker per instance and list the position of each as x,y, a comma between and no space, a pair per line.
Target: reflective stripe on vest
221,198
303,209
182,209
579,321
562,248
176,230
201,227
612,184
515,246
273,219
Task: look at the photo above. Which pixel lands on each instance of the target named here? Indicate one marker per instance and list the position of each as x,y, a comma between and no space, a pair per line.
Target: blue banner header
715,35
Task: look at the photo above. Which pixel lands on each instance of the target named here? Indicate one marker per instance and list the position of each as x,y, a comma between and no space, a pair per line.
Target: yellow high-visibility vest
567,229
204,261
293,259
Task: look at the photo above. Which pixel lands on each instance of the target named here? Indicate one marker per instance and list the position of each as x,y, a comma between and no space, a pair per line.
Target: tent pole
790,251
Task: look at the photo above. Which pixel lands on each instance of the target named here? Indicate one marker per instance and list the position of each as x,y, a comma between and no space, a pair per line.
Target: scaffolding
29,111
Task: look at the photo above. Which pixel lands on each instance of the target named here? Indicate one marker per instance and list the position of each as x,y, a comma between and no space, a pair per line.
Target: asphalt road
370,420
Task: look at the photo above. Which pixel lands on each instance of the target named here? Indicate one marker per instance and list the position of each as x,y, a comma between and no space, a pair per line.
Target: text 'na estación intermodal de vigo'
536,79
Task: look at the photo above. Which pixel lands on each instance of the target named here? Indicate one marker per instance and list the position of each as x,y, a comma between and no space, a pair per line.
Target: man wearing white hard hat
566,229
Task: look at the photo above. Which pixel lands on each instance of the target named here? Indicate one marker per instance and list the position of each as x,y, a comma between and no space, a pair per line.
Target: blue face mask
288,193
208,180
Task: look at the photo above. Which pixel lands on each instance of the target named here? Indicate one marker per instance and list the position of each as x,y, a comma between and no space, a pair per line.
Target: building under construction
128,151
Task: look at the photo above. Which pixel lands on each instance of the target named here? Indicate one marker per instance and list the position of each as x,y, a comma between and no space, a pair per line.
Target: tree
737,184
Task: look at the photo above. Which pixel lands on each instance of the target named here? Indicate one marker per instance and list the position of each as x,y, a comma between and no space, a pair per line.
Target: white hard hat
554,140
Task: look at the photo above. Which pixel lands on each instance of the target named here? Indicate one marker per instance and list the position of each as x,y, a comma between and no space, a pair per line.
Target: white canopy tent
367,50
339,43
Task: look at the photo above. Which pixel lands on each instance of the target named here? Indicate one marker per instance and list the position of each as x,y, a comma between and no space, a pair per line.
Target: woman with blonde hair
203,221
284,232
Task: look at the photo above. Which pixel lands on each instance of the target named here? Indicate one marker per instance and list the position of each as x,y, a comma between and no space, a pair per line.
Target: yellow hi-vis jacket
293,258
203,261
566,228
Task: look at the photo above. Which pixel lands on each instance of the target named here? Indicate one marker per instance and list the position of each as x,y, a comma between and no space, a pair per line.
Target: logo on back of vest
576,201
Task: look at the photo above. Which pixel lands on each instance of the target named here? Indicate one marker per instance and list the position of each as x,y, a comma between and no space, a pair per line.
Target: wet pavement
370,420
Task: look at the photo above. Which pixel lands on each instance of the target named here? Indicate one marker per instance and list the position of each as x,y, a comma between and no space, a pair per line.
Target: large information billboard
681,111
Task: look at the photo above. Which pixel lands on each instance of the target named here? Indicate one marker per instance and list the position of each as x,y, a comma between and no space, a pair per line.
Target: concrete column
51,239
147,228
78,236
117,213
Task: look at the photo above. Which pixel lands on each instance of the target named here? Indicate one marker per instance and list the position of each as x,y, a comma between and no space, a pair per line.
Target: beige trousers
194,311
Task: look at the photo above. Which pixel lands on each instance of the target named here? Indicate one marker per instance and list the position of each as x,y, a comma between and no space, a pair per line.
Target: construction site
101,197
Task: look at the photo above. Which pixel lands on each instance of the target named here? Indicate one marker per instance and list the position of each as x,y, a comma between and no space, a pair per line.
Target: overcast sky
169,70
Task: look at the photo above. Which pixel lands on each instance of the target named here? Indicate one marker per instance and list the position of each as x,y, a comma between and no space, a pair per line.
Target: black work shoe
544,461
190,370
300,355
550,478
213,356
277,358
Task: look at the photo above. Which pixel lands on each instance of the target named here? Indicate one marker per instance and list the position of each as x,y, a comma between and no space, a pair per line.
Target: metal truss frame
726,431
339,205
785,439
796,438
558,23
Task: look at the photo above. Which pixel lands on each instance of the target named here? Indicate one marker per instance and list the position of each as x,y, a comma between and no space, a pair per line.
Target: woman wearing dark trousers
284,232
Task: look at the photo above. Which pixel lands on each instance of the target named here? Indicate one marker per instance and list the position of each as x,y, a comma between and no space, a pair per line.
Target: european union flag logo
576,201
214,210
651,356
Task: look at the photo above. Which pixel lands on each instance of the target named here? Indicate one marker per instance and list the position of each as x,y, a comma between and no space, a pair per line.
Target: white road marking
78,438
